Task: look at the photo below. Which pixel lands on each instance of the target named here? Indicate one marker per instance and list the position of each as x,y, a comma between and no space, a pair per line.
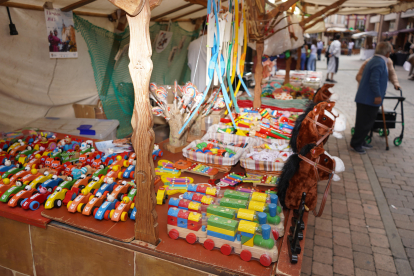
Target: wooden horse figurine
315,125
323,94
302,172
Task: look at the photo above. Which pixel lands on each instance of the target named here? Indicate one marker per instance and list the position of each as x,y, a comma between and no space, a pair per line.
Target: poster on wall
61,34
163,39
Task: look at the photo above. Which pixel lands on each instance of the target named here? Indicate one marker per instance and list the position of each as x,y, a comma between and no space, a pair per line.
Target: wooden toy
165,167
200,198
120,162
16,176
7,195
186,204
121,212
106,208
161,196
157,152
55,200
78,204
93,205
7,166
9,173
115,173
196,168
50,184
101,172
18,198
130,171
82,182
93,185
40,179
33,203
231,179
105,188
122,189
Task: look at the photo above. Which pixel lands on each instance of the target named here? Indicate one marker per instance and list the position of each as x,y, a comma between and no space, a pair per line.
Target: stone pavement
367,227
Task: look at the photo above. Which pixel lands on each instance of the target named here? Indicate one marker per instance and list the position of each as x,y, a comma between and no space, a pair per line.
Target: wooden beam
198,2
320,19
321,12
3,1
76,5
40,8
140,68
171,11
22,6
188,13
279,9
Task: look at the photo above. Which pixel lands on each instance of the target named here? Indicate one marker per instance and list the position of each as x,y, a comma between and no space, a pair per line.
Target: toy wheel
265,260
80,207
246,255
94,210
49,189
58,203
173,234
132,206
120,197
397,141
69,203
34,205
106,215
124,216
92,191
226,249
352,131
275,234
209,244
191,238
21,203
117,204
111,214
368,140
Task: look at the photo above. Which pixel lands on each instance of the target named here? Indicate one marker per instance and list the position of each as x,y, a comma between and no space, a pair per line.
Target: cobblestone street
368,224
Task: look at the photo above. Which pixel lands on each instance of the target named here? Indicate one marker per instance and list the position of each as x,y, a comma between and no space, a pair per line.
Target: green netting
112,77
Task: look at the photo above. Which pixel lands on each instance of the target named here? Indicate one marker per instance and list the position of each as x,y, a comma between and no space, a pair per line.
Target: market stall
229,199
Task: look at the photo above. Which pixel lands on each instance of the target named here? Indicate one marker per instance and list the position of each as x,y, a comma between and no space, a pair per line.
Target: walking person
350,47
320,47
370,94
304,50
411,61
327,51
312,57
334,53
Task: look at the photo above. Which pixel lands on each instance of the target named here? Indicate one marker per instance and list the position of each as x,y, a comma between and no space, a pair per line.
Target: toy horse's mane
317,91
289,170
298,123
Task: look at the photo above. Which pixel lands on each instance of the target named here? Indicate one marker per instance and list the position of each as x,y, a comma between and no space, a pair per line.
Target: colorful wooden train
247,224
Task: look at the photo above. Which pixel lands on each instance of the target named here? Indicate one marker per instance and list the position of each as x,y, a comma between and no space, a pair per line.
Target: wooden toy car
122,189
82,182
79,203
86,146
7,166
30,177
121,212
130,196
4,187
108,159
132,213
40,179
15,145
23,157
7,195
50,184
33,203
55,200
105,209
18,149
121,162
129,172
101,172
161,196
34,163
93,205
14,177
93,185
9,173
132,158
18,198
105,188
115,173
89,157
71,195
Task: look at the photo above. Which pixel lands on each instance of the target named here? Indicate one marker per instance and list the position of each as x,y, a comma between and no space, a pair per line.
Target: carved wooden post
140,68
287,76
258,75
299,53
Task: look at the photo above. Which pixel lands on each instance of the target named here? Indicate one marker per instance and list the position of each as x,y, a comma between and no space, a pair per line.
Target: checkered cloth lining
267,166
230,138
214,129
212,159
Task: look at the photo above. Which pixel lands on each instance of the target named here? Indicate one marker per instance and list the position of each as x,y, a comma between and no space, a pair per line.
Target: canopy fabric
317,28
398,31
359,35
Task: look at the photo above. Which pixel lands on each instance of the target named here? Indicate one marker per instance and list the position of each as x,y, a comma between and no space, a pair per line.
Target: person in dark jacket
370,94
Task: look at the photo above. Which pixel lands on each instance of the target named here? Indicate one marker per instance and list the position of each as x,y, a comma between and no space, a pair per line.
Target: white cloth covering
198,76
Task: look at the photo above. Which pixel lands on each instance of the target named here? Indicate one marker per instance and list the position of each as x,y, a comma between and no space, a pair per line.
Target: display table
61,249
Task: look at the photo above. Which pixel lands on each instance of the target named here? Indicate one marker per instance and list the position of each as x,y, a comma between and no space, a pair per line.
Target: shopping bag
407,66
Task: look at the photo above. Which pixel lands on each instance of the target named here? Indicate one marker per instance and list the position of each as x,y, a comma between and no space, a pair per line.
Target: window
360,25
